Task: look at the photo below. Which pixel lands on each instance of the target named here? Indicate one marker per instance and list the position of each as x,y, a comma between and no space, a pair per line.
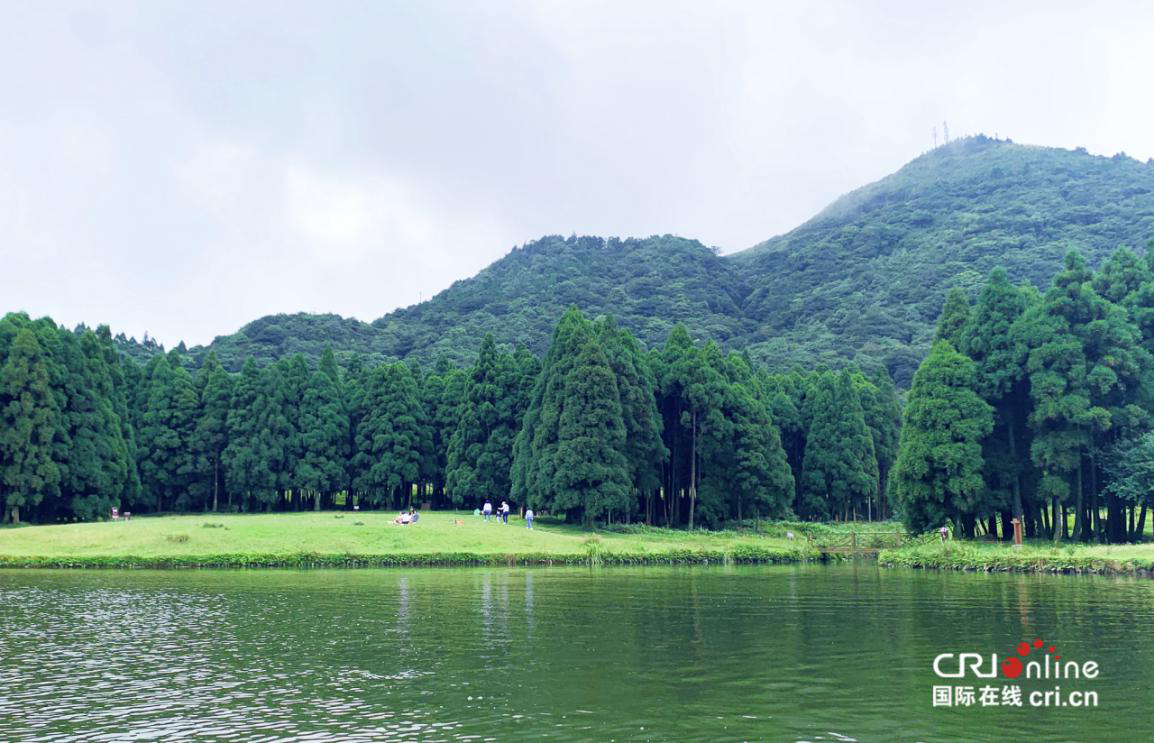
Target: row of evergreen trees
688,435
600,430
1037,406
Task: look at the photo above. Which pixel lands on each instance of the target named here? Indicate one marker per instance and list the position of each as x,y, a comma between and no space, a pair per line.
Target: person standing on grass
529,517
487,509
504,512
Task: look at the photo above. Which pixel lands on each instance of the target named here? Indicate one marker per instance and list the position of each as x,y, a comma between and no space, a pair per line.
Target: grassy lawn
354,538
1041,556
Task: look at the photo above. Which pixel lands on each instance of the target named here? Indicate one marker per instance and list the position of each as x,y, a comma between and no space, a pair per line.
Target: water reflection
530,622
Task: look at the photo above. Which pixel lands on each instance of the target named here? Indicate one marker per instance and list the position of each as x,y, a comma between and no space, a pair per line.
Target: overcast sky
184,168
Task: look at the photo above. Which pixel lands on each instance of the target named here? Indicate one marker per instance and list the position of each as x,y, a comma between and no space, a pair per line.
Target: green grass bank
371,539
1036,557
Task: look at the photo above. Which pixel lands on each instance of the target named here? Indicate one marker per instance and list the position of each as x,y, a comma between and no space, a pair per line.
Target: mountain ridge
859,283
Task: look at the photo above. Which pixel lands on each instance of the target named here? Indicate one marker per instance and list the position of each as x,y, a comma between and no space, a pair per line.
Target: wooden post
853,540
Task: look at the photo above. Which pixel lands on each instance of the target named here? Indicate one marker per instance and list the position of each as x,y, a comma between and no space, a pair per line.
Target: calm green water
775,653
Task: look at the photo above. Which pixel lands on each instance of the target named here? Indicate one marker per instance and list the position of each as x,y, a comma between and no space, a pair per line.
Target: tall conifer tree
324,434
214,392
389,437
1001,380
480,450
167,464
591,472
955,314
247,466
839,472
939,467
29,423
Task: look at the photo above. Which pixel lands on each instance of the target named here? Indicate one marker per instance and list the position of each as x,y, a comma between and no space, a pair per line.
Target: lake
797,653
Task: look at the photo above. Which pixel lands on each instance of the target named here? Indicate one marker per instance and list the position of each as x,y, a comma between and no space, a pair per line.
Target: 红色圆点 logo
1032,675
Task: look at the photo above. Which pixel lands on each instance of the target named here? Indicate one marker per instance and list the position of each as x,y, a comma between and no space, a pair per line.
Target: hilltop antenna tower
935,136
946,130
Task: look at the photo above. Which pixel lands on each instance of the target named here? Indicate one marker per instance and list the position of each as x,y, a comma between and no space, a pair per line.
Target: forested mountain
866,277
861,283
275,337
649,284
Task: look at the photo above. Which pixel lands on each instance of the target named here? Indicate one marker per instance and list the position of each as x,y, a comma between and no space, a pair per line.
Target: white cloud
346,219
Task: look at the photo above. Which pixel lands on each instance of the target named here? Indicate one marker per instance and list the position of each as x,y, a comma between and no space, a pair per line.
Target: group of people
503,513
410,516
406,517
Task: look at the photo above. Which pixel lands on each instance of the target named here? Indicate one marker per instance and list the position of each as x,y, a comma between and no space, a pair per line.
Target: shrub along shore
371,539
1039,557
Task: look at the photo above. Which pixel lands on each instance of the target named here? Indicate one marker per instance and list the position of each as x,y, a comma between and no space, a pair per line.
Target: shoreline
457,539
743,556
897,558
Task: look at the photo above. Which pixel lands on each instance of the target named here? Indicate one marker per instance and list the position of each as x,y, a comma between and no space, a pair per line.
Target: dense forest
1030,404
1037,406
600,430
859,285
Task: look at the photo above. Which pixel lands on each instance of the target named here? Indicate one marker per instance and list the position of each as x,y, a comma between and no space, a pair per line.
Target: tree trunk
883,483
1116,523
671,494
15,514
215,482
1079,507
1141,528
1017,485
1095,503
1057,517
693,471
317,500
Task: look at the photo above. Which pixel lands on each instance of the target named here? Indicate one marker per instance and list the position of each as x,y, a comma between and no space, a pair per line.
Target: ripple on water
802,653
